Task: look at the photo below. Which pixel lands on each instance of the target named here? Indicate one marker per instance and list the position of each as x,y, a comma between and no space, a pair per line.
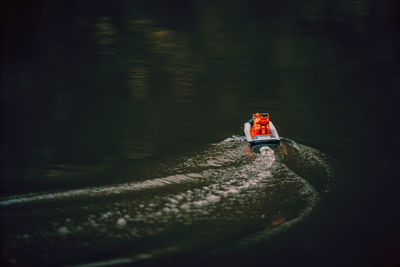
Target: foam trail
217,155
264,150
104,190
213,192
106,263
129,260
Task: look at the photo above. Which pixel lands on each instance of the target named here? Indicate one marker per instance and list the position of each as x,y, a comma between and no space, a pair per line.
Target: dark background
94,89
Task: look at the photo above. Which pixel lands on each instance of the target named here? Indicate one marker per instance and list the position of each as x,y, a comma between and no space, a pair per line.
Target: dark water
122,123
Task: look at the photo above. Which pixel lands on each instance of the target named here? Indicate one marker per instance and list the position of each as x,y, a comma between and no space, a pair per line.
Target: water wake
101,190
221,194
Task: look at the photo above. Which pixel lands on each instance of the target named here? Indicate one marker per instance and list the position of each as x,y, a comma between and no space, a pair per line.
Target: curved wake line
211,190
129,260
250,240
270,231
213,160
103,190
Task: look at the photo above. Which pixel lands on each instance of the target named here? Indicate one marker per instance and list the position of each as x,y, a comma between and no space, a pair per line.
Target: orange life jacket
260,124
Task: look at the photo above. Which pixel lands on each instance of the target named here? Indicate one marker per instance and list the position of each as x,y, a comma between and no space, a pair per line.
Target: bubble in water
63,230
121,222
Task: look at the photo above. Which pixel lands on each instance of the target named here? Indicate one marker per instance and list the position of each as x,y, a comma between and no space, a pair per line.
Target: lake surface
122,130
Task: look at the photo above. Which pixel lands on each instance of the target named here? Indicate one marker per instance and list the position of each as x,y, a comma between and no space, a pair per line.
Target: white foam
121,222
102,191
108,262
220,188
228,183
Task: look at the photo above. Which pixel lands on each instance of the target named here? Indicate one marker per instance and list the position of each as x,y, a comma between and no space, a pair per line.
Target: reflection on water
170,49
105,32
139,80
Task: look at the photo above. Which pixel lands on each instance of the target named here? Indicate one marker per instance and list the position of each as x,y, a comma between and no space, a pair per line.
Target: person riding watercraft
260,124
260,131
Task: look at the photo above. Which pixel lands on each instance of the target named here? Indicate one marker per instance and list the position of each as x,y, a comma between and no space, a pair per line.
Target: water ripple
210,197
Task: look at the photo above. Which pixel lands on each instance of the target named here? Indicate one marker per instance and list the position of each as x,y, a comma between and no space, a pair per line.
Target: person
260,124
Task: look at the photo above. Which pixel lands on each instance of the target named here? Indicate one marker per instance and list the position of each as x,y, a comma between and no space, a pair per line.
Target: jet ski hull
272,139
